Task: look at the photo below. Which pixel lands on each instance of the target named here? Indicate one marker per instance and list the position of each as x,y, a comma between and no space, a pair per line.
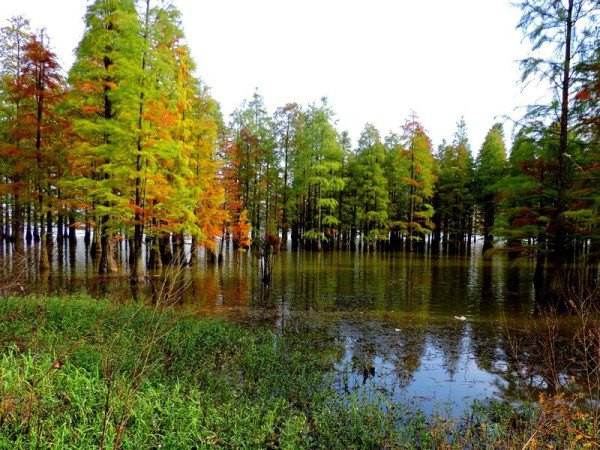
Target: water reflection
412,365
389,316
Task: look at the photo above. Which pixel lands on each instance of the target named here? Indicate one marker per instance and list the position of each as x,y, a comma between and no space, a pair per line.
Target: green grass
79,373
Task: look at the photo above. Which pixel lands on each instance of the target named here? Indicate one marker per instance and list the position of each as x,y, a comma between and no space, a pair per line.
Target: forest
366,250
131,147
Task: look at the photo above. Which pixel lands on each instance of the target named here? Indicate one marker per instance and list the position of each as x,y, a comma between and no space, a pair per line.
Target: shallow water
389,318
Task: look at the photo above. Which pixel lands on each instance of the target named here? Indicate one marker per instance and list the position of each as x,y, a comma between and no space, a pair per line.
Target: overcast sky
375,60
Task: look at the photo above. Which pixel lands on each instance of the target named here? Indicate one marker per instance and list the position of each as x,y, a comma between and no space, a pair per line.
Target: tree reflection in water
388,317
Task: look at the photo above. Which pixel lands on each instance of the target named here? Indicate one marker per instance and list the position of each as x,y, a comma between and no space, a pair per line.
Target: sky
376,61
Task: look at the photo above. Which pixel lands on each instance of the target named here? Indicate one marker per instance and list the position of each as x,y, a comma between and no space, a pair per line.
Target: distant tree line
131,147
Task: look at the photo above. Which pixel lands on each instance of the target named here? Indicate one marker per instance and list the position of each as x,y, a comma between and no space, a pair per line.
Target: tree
397,169
236,221
346,210
526,197
40,129
420,181
14,38
258,169
105,94
317,175
455,191
369,189
490,168
564,35
208,193
287,123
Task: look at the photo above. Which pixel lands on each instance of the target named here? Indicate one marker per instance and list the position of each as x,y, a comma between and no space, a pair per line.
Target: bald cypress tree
105,99
368,185
13,39
455,191
318,175
42,132
419,181
287,124
490,168
564,35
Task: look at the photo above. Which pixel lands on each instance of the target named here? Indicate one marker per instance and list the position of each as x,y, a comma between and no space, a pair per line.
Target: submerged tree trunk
179,248
489,213
108,264
138,228
44,256
557,220
194,252
164,245
17,231
72,230
137,266
154,259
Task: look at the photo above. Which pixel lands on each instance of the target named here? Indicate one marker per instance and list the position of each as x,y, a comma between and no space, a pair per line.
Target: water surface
390,319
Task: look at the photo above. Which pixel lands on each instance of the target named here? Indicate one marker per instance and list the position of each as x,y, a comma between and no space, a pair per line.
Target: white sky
375,60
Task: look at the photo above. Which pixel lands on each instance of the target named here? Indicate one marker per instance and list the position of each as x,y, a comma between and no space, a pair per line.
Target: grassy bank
81,373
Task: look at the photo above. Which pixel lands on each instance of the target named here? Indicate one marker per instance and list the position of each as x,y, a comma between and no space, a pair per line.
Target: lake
429,331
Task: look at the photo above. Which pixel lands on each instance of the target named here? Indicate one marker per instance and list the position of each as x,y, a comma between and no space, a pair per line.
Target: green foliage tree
105,95
368,187
397,170
564,36
455,191
317,173
490,169
287,123
420,181
257,168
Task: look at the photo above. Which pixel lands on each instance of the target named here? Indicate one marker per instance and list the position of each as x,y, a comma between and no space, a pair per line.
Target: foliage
132,147
490,169
213,383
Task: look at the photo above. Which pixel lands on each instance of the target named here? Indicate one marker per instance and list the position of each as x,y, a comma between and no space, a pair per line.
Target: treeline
302,178
132,147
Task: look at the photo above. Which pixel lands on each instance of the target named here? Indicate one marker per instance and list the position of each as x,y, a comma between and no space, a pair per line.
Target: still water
392,320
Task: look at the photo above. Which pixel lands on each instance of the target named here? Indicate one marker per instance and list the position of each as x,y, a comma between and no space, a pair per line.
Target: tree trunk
165,249
557,221
489,212
44,257
17,234
108,264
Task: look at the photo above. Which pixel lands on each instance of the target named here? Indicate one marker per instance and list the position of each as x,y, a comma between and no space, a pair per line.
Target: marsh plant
556,358
78,372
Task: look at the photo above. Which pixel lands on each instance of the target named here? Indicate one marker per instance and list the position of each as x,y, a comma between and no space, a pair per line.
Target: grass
82,373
